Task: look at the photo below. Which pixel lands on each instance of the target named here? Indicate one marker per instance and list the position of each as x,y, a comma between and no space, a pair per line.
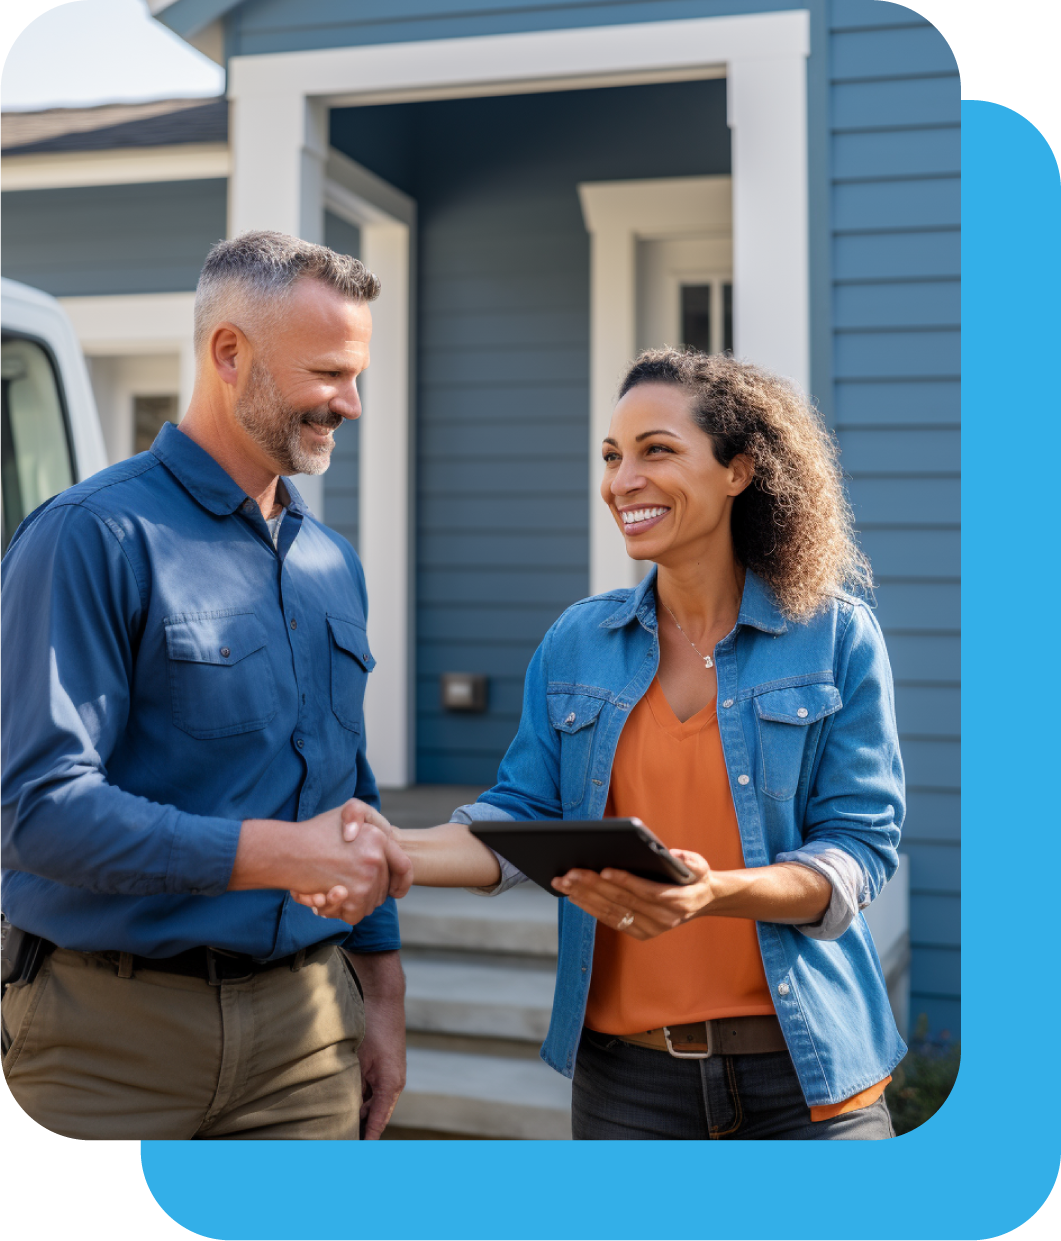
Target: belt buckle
691,1055
215,973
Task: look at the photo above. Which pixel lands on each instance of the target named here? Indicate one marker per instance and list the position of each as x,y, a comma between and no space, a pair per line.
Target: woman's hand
333,904
639,907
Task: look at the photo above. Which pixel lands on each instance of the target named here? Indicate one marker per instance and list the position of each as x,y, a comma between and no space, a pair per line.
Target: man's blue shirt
168,673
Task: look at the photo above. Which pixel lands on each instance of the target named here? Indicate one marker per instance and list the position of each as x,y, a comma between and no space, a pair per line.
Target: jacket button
728,702
744,779
300,743
783,988
294,623
802,713
570,719
225,652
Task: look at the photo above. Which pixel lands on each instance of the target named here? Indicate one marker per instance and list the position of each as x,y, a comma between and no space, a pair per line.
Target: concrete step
484,1096
478,998
522,920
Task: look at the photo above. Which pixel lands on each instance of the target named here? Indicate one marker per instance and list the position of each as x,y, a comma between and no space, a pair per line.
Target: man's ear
229,352
741,472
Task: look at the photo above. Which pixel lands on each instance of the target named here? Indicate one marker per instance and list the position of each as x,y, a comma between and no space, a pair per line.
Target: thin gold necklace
708,661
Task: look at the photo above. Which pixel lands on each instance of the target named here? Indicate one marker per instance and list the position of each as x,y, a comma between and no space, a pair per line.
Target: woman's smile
637,518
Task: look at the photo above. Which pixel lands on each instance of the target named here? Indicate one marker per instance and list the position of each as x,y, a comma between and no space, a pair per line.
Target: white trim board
193,161
512,63
280,179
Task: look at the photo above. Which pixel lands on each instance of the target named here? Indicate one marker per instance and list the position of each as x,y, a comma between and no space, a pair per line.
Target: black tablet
543,849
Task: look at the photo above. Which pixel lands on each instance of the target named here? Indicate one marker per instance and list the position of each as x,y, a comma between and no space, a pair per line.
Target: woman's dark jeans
621,1091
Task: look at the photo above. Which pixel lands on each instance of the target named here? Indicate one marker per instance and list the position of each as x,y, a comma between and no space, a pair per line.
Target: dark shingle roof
164,122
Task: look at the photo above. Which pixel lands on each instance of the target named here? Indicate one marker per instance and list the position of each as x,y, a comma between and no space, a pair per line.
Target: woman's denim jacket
807,722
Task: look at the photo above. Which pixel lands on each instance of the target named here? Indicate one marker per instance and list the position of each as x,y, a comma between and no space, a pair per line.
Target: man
184,670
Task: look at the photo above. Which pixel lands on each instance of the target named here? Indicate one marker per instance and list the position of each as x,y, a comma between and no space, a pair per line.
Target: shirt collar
200,475
757,607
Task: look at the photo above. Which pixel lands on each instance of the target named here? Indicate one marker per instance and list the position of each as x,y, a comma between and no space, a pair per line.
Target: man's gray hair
246,280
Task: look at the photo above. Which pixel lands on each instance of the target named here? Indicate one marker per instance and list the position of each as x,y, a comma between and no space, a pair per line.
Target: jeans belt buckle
215,969
691,1055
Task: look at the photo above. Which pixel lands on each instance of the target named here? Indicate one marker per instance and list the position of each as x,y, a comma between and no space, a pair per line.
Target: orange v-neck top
672,776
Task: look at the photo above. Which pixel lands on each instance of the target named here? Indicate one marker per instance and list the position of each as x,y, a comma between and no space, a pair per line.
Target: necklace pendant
708,661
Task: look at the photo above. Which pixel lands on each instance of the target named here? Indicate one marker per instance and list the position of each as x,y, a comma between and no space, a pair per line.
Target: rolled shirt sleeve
857,801
483,812
72,607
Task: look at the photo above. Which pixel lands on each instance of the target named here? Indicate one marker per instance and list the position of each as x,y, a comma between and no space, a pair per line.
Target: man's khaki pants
154,1055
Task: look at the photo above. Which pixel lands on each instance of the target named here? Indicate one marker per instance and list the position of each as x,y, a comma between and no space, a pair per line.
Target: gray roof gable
166,122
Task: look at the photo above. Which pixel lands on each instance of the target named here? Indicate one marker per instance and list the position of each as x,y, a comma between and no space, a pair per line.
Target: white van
50,436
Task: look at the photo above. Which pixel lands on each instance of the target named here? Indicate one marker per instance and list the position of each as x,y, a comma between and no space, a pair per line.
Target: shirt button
225,652
744,779
294,623
300,743
802,713
728,702
782,988
247,505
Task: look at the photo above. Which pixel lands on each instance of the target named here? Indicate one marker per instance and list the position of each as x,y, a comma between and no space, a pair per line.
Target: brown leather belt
725,1036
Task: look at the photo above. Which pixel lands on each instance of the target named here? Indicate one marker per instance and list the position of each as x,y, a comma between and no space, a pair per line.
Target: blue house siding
895,166
503,401
263,26
149,238
341,480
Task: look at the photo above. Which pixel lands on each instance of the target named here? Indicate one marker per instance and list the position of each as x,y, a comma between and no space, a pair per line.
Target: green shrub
923,1079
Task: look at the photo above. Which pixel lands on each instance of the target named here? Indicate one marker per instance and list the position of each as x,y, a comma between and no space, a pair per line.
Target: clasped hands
371,866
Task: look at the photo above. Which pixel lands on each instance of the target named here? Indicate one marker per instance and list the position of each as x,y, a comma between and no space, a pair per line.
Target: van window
36,458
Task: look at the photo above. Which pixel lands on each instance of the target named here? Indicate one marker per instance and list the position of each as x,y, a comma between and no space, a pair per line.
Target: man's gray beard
277,428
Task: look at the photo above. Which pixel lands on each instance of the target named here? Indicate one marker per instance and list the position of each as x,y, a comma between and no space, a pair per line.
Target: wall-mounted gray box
463,691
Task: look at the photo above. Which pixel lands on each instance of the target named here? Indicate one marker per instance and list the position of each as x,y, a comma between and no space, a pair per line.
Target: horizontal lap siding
341,480
895,187
261,26
503,366
107,239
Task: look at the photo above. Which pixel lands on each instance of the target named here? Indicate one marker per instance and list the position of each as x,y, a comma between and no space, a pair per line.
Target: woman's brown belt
725,1036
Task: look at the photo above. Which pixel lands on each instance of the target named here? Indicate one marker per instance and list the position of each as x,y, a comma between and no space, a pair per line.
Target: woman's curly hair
792,525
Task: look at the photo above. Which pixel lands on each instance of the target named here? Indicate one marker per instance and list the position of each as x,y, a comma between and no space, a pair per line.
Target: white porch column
767,104
386,505
279,148
613,325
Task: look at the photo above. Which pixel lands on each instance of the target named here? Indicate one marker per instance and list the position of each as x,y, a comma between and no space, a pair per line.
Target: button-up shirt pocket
573,715
783,717
352,661
221,682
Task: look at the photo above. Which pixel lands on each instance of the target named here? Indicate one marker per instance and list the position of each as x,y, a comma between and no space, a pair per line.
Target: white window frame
280,162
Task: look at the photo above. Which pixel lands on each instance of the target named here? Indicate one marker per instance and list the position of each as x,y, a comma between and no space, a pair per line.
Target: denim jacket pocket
573,715
784,717
352,661
221,681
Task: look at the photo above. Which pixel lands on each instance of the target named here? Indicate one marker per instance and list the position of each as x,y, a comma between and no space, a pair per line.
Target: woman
740,704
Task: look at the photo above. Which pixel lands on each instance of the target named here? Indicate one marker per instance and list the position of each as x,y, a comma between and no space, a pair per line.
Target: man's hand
355,817
382,1054
339,853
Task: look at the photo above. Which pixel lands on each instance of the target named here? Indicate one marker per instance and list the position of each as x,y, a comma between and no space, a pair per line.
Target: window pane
696,316
727,318
36,452
149,413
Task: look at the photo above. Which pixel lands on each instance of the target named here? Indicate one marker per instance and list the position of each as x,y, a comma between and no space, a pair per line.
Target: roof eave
188,17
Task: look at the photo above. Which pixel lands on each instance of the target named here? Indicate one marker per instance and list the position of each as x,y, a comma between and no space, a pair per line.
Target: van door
37,459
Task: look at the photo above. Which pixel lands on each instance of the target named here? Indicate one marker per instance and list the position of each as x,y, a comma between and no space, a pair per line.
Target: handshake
364,869
341,864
